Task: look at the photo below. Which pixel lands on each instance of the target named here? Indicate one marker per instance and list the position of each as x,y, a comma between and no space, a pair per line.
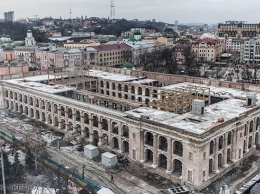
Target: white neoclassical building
191,133
29,40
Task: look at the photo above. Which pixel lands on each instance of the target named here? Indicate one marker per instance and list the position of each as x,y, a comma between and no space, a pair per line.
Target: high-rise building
9,16
176,26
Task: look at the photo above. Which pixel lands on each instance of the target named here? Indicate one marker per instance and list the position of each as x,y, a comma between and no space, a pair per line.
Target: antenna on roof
70,10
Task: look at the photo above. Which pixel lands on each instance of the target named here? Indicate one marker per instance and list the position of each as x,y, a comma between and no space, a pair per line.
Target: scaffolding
76,79
179,100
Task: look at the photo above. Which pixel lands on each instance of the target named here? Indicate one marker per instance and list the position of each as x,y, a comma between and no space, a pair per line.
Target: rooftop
112,76
227,109
109,47
24,83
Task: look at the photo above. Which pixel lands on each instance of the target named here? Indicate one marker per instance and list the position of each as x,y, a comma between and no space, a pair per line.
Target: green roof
128,65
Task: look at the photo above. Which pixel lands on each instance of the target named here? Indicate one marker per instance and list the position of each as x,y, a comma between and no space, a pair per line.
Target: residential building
168,42
207,50
80,45
238,30
52,58
113,54
9,16
250,51
141,47
179,53
45,59
233,45
90,56
8,53
26,54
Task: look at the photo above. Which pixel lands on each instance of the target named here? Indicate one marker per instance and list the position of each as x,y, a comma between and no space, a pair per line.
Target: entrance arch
162,161
149,156
96,138
125,147
177,167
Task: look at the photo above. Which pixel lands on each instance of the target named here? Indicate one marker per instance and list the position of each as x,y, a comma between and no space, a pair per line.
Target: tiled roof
208,41
105,47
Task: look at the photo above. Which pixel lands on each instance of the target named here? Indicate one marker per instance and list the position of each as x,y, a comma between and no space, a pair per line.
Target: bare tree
189,58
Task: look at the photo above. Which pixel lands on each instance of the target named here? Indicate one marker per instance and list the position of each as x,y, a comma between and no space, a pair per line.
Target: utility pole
3,171
83,168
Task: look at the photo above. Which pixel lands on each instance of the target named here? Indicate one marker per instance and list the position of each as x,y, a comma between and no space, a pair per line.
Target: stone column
40,110
59,117
91,137
34,109
247,137
120,137
169,155
109,133
66,119
99,138
74,120
216,157
225,150
142,159
83,132
116,91
253,140
234,146
52,115
46,111
155,151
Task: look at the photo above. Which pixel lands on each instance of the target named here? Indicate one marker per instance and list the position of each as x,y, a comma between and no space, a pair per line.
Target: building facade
9,16
81,45
238,30
29,40
113,54
207,50
250,51
26,54
233,45
8,54
137,117
57,59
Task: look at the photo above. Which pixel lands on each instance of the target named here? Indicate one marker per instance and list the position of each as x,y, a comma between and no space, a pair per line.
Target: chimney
198,107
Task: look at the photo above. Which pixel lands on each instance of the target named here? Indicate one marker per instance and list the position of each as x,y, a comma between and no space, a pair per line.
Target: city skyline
206,11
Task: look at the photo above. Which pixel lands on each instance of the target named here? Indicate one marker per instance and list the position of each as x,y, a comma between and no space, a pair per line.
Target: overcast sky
185,11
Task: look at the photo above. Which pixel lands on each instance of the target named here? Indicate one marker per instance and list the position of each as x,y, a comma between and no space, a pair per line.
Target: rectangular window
204,176
190,156
78,96
204,155
189,176
134,154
